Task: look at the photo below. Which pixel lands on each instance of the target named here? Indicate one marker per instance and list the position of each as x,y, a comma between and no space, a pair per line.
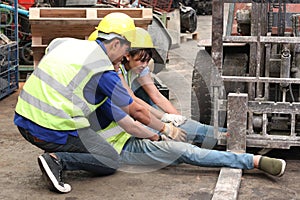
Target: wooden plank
228,184
36,40
49,23
38,53
186,36
91,14
62,13
147,13
42,13
34,13
134,13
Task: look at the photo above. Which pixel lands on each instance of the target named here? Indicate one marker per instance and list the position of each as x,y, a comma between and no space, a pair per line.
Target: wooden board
49,23
186,36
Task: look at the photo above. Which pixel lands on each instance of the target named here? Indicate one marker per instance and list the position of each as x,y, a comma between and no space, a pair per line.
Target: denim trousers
88,151
164,153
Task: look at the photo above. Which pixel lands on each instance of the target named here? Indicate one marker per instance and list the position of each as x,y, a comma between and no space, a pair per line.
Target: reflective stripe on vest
55,89
112,132
115,135
57,42
126,75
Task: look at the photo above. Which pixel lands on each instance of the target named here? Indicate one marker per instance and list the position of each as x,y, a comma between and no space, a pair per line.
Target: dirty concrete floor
20,177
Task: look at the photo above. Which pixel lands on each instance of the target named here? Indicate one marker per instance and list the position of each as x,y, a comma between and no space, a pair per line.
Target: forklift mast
253,84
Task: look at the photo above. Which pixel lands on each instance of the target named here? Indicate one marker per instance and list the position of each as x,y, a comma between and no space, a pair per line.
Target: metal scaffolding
8,48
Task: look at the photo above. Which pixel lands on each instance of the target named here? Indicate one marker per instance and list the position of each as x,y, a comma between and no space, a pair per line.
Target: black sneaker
52,172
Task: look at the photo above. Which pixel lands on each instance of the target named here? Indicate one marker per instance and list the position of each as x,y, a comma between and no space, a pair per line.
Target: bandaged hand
173,132
177,120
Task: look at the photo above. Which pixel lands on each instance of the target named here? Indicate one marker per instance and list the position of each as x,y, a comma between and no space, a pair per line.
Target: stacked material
50,23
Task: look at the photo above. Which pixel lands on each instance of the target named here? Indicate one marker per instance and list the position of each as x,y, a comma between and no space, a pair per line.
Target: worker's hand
165,138
177,120
161,137
173,132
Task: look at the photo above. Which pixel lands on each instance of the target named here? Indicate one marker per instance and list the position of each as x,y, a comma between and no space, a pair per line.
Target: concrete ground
20,177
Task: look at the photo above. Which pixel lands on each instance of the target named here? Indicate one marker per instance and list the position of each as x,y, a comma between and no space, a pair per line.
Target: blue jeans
200,133
163,153
88,151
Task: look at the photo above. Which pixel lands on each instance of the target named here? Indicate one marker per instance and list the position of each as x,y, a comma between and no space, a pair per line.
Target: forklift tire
201,99
235,64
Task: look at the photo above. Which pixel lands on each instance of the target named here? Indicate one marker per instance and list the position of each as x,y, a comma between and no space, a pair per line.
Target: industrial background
225,63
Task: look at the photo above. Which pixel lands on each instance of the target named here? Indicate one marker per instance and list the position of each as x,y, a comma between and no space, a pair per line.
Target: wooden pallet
24,71
186,36
49,23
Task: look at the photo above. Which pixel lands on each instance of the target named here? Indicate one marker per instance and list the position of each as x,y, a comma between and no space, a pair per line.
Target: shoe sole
282,168
50,178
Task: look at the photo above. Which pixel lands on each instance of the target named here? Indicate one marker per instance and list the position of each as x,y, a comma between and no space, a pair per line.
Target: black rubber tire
26,54
201,99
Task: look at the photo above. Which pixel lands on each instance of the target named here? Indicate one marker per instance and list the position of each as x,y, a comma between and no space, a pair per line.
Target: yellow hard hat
119,23
93,36
142,39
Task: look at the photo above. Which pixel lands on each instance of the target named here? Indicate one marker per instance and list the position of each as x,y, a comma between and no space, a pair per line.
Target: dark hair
144,55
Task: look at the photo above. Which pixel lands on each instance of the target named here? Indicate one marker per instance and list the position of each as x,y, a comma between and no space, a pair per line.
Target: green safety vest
53,95
127,76
113,133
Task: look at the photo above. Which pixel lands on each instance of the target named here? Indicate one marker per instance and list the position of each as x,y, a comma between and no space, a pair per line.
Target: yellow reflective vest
113,133
53,95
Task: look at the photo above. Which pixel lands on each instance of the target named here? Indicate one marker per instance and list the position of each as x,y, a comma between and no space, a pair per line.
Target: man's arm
108,112
162,102
137,129
154,111
114,89
143,115
163,117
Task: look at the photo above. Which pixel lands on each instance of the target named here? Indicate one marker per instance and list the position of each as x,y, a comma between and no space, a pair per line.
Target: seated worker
153,155
73,79
133,65
145,152
143,86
